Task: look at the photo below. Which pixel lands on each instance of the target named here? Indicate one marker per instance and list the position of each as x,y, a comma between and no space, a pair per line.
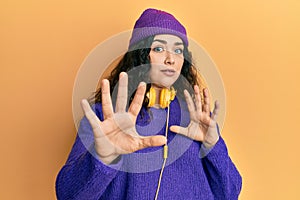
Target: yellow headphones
165,98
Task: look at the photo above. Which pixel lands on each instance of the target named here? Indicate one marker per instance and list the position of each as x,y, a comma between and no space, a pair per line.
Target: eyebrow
165,42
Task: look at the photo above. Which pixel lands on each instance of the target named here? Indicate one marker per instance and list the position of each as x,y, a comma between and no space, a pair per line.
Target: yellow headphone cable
165,154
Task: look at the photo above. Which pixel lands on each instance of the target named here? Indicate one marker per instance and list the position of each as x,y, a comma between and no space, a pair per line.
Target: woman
118,153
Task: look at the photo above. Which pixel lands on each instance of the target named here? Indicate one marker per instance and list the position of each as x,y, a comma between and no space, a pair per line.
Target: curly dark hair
138,55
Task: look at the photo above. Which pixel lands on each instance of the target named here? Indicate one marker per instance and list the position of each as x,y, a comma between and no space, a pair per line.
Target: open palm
203,125
116,134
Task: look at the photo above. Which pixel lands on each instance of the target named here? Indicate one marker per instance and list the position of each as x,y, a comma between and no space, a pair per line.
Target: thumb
152,141
89,113
179,129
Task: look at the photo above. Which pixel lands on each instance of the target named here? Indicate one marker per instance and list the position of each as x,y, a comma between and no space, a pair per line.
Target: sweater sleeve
223,177
84,176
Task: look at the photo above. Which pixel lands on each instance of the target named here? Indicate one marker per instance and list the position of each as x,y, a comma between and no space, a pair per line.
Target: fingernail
105,81
142,84
185,92
122,74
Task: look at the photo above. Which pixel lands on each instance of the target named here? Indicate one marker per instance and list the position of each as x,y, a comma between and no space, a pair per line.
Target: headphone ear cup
166,96
151,94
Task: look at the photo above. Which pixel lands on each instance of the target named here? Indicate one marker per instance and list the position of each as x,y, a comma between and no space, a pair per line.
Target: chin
164,82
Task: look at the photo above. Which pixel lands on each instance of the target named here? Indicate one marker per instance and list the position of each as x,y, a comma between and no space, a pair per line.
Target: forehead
168,38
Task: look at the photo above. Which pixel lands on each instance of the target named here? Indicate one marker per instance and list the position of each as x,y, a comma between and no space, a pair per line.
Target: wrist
210,144
109,159
211,139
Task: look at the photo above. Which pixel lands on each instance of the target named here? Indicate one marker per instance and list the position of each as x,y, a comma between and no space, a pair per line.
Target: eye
178,51
158,49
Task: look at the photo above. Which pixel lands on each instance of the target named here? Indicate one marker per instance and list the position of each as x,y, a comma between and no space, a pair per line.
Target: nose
169,60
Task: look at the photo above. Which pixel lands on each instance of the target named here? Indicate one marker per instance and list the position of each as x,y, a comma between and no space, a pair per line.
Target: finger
206,105
106,100
215,113
198,98
122,93
152,141
137,101
90,115
190,103
180,130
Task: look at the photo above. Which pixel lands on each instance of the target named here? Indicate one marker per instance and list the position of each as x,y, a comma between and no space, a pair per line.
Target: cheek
153,73
156,58
180,64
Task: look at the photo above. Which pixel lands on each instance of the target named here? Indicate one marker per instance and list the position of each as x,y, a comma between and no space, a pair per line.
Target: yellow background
255,45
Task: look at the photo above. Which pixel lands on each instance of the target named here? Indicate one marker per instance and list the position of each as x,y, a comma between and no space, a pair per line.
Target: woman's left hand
203,125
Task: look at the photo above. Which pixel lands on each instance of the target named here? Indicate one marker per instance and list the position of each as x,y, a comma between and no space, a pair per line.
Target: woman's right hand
116,134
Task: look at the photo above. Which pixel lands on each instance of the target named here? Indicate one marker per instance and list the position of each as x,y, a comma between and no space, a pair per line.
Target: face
166,58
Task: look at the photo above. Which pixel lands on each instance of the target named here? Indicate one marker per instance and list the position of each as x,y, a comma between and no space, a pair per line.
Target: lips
168,72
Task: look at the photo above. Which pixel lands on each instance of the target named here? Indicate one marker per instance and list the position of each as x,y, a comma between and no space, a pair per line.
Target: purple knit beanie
154,22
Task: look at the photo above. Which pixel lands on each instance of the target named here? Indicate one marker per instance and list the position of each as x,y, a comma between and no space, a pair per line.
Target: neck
158,87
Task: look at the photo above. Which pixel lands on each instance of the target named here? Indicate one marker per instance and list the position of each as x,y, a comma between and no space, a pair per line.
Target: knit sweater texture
188,174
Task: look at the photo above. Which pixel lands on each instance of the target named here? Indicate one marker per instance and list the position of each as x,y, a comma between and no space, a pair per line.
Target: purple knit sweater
187,174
